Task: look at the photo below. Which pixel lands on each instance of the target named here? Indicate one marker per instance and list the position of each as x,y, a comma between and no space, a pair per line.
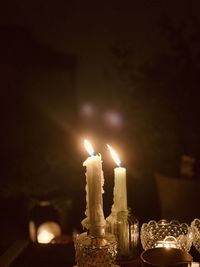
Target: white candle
94,189
120,189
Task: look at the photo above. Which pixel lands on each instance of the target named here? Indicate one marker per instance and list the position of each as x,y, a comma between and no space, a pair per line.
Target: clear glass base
92,251
125,227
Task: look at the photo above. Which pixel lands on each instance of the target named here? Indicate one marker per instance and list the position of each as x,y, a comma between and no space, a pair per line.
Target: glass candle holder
95,251
196,233
166,234
125,227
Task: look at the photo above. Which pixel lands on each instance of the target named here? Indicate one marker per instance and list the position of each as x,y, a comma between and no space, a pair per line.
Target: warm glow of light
114,155
87,110
168,242
88,147
113,119
45,237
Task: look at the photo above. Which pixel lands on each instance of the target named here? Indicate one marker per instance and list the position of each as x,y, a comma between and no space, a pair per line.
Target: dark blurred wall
38,100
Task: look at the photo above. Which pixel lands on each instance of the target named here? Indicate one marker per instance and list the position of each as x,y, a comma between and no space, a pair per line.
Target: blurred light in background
44,223
47,232
113,119
87,110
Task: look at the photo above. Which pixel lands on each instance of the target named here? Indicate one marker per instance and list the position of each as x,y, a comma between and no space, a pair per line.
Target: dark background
119,73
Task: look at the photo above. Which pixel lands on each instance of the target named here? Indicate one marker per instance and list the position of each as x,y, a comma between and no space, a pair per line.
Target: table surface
27,254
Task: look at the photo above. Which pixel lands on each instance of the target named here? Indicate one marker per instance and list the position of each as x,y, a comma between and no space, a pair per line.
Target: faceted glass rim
196,223
165,222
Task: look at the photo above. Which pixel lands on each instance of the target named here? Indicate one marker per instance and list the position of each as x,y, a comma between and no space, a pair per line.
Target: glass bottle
125,227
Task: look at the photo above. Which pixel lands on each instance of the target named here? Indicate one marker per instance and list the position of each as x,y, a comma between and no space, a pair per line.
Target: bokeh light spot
87,110
113,119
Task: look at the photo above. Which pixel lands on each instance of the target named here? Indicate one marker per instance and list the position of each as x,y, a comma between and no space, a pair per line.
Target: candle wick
120,164
94,153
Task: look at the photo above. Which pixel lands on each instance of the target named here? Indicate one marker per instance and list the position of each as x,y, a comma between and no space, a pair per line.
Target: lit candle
45,237
95,220
168,242
47,231
120,189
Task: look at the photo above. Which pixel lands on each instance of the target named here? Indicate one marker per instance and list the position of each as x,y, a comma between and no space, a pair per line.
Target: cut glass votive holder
195,225
168,234
95,251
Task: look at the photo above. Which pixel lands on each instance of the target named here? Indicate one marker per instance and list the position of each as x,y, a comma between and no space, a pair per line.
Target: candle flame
114,155
89,147
45,237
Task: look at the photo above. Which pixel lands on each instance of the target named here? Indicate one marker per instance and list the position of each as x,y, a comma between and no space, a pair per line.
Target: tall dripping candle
94,221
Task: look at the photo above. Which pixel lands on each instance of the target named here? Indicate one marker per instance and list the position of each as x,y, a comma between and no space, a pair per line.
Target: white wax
94,189
120,190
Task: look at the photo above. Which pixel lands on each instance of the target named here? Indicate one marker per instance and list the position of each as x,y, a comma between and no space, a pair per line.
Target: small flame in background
114,155
47,231
45,237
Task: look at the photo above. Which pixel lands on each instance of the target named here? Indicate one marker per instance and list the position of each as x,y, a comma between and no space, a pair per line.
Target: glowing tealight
168,242
45,237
